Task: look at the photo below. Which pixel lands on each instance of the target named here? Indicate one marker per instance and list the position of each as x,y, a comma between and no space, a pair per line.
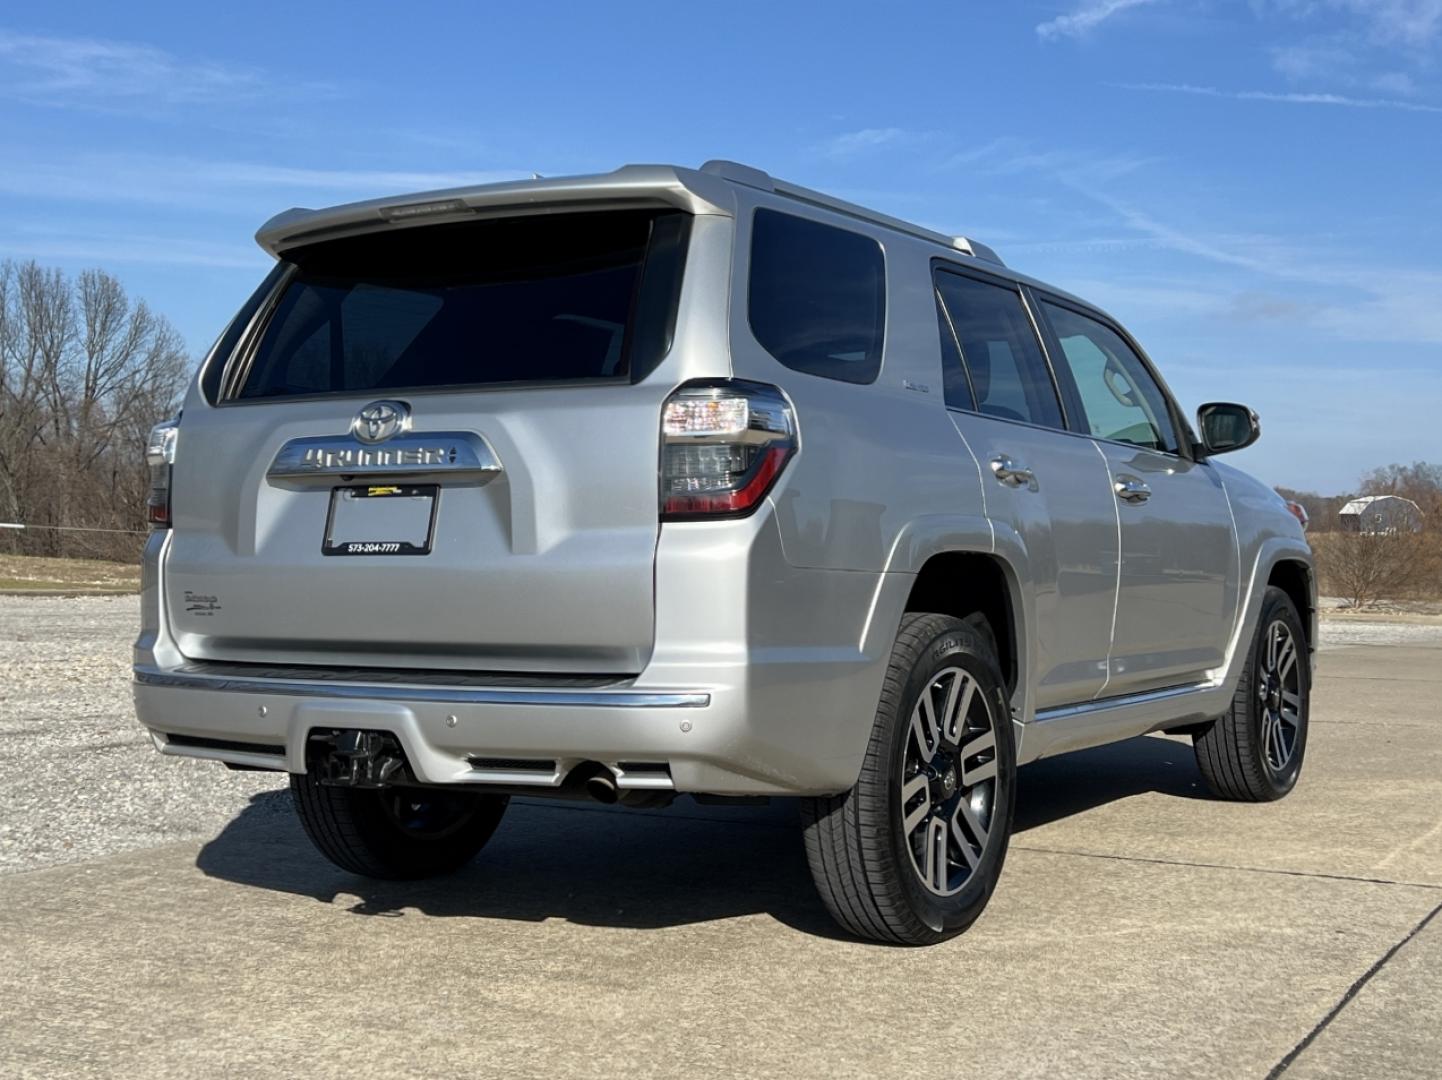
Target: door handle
1130,489
1010,473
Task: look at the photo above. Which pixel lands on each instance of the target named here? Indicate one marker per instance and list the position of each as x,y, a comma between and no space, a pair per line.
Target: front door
1179,573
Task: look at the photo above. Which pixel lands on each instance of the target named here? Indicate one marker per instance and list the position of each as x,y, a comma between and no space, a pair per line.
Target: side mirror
1226,426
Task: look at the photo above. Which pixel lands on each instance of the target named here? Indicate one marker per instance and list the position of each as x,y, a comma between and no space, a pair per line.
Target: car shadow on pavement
1071,784
643,869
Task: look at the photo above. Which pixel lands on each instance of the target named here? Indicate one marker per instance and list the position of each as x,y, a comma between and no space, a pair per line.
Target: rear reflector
723,444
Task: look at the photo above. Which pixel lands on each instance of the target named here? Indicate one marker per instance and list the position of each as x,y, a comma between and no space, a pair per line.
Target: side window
817,296
1123,402
1005,374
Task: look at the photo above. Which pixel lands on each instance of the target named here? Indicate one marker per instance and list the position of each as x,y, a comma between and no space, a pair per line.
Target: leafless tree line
84,373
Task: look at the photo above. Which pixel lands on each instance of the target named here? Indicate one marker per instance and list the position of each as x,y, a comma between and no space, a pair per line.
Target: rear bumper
763,679
695,740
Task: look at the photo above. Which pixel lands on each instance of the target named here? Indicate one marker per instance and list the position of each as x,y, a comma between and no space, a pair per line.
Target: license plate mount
381,519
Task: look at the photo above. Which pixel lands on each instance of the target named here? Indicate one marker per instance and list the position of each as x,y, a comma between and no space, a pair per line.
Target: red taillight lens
160,456
723,443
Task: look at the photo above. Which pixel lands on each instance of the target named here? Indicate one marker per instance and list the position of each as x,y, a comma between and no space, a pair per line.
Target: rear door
1047,486
1179,572
437,449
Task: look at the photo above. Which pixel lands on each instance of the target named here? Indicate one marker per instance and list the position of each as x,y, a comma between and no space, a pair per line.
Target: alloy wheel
1279,694
947,786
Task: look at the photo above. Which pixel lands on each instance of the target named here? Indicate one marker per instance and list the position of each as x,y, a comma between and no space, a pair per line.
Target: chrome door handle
1130,489
1010,473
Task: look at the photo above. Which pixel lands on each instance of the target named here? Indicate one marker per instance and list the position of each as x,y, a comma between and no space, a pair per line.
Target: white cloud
118,76
1313,60
1010,155
1284,98
853,143
1395,82
1404,22
1086,18
106,248
1362,303
241,186
1413,23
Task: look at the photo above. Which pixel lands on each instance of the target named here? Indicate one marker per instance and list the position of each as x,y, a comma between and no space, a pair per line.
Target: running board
1107,720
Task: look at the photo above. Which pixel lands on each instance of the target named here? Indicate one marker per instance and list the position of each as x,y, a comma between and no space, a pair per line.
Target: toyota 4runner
694,481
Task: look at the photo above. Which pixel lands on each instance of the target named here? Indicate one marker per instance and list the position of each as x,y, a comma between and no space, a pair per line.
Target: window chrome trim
150,675
238,363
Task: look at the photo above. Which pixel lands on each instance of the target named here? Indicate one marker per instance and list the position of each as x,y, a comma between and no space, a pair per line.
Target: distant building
1381,515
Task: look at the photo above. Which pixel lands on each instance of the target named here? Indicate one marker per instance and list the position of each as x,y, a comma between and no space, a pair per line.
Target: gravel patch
1358,632
79,777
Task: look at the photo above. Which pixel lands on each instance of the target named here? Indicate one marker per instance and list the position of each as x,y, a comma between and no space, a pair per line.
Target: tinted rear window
548,298
817,296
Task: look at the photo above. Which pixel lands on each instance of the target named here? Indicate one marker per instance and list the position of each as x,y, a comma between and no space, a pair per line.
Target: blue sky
1252,187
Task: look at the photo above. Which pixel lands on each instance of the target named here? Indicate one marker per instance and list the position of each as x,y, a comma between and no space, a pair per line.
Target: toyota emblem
381,420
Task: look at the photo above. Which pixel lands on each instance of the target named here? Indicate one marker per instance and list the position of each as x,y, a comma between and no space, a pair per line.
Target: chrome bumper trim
440,695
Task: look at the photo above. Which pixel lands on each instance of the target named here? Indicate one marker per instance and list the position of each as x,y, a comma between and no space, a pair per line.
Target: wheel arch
1296,578
964,564
966,583
1286,563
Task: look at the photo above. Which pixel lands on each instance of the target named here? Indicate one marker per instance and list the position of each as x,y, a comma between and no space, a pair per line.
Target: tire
1254,751
872,873
395,833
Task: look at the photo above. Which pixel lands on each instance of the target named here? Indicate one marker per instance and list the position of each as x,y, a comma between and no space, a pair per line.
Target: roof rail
764,181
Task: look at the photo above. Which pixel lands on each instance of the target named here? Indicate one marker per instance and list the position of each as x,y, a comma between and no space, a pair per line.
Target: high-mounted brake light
723,444
160,456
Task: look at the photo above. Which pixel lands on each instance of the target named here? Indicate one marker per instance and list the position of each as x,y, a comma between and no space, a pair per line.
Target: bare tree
84,373
1421,482
1364,567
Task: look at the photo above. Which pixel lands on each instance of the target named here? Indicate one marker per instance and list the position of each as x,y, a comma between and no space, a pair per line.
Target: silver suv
694,481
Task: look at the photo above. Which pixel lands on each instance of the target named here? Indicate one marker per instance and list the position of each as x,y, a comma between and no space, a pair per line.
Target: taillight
723,444
160,456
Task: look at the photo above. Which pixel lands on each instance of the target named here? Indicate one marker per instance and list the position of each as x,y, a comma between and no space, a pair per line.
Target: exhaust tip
601,786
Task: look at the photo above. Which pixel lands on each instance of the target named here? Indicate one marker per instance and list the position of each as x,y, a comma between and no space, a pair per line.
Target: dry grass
29,573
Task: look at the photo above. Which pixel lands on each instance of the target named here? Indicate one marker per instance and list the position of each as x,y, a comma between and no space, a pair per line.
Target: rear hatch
434,449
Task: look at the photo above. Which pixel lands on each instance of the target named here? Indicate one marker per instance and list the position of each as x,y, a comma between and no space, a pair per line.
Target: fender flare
921,539
1270,553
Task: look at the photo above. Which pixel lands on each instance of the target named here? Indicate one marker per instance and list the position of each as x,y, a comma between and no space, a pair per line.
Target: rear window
817,296
549,298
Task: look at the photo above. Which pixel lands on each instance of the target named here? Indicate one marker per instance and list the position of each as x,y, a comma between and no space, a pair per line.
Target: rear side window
545,298
1004,373
817,296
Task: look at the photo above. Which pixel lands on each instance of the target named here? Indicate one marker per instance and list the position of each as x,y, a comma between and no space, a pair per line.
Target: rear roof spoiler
655,185
706,191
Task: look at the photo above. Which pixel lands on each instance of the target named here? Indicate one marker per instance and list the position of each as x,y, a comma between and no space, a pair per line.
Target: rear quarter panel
875,458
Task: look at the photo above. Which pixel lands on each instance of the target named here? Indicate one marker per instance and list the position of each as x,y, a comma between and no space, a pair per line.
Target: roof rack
763,181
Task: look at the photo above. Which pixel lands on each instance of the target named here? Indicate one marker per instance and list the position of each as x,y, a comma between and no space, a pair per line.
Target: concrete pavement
1140,930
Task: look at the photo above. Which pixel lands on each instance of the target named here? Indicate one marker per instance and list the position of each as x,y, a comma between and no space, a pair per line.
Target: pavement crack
1352,991
1228,866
